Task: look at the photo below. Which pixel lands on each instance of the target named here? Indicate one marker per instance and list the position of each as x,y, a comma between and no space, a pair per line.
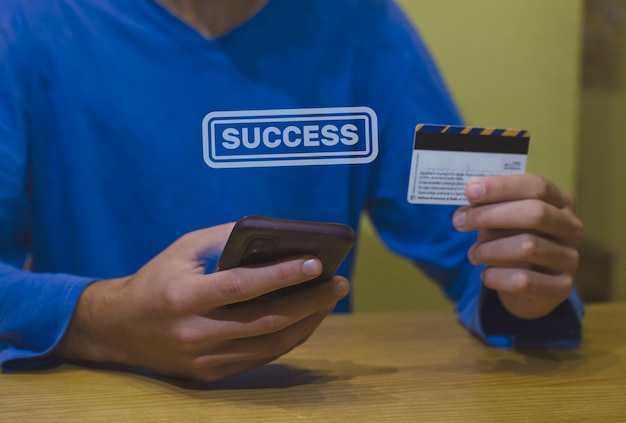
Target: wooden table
418,367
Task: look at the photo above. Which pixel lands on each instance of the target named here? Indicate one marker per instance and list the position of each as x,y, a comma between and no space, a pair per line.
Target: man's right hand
174,319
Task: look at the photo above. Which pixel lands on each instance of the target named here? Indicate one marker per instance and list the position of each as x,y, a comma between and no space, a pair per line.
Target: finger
255,318
485,235
205,292
196,246
276,312
497,189
524,215
237,355
525,250
528,284
270,345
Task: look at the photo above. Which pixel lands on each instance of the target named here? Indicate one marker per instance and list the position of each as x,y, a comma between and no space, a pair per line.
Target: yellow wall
513,63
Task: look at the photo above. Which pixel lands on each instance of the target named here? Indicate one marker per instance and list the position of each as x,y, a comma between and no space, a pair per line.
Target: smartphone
258,239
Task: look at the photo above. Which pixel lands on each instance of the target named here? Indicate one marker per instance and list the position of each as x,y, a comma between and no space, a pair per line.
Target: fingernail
459,219
470,254
476,191
312,267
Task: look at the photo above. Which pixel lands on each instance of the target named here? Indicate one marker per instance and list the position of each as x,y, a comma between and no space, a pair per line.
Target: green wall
513,63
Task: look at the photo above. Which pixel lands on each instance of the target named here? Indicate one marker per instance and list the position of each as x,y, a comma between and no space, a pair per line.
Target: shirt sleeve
408,89
35,308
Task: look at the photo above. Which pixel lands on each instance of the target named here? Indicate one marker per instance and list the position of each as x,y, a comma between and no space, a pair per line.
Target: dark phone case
259,239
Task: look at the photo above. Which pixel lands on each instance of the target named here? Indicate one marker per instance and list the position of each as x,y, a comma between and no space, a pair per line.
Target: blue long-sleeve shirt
108,151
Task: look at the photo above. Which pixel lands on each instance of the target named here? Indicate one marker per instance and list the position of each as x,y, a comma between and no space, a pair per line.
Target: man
109,160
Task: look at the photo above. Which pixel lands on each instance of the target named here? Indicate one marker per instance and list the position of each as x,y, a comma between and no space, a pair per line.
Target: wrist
95,325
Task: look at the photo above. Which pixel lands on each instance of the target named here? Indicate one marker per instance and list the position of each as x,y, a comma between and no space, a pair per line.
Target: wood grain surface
370,367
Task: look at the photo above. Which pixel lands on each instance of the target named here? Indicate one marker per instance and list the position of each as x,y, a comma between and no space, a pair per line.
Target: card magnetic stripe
471,139
472,130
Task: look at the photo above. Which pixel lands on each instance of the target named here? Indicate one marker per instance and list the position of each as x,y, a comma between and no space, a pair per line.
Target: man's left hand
528,239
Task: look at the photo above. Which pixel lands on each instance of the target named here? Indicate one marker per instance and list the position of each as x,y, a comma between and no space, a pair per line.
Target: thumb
196,246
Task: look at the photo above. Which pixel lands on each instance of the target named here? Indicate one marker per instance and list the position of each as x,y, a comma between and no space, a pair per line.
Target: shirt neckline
183,32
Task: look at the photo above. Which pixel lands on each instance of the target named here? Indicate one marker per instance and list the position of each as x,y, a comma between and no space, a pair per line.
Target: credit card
446,157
